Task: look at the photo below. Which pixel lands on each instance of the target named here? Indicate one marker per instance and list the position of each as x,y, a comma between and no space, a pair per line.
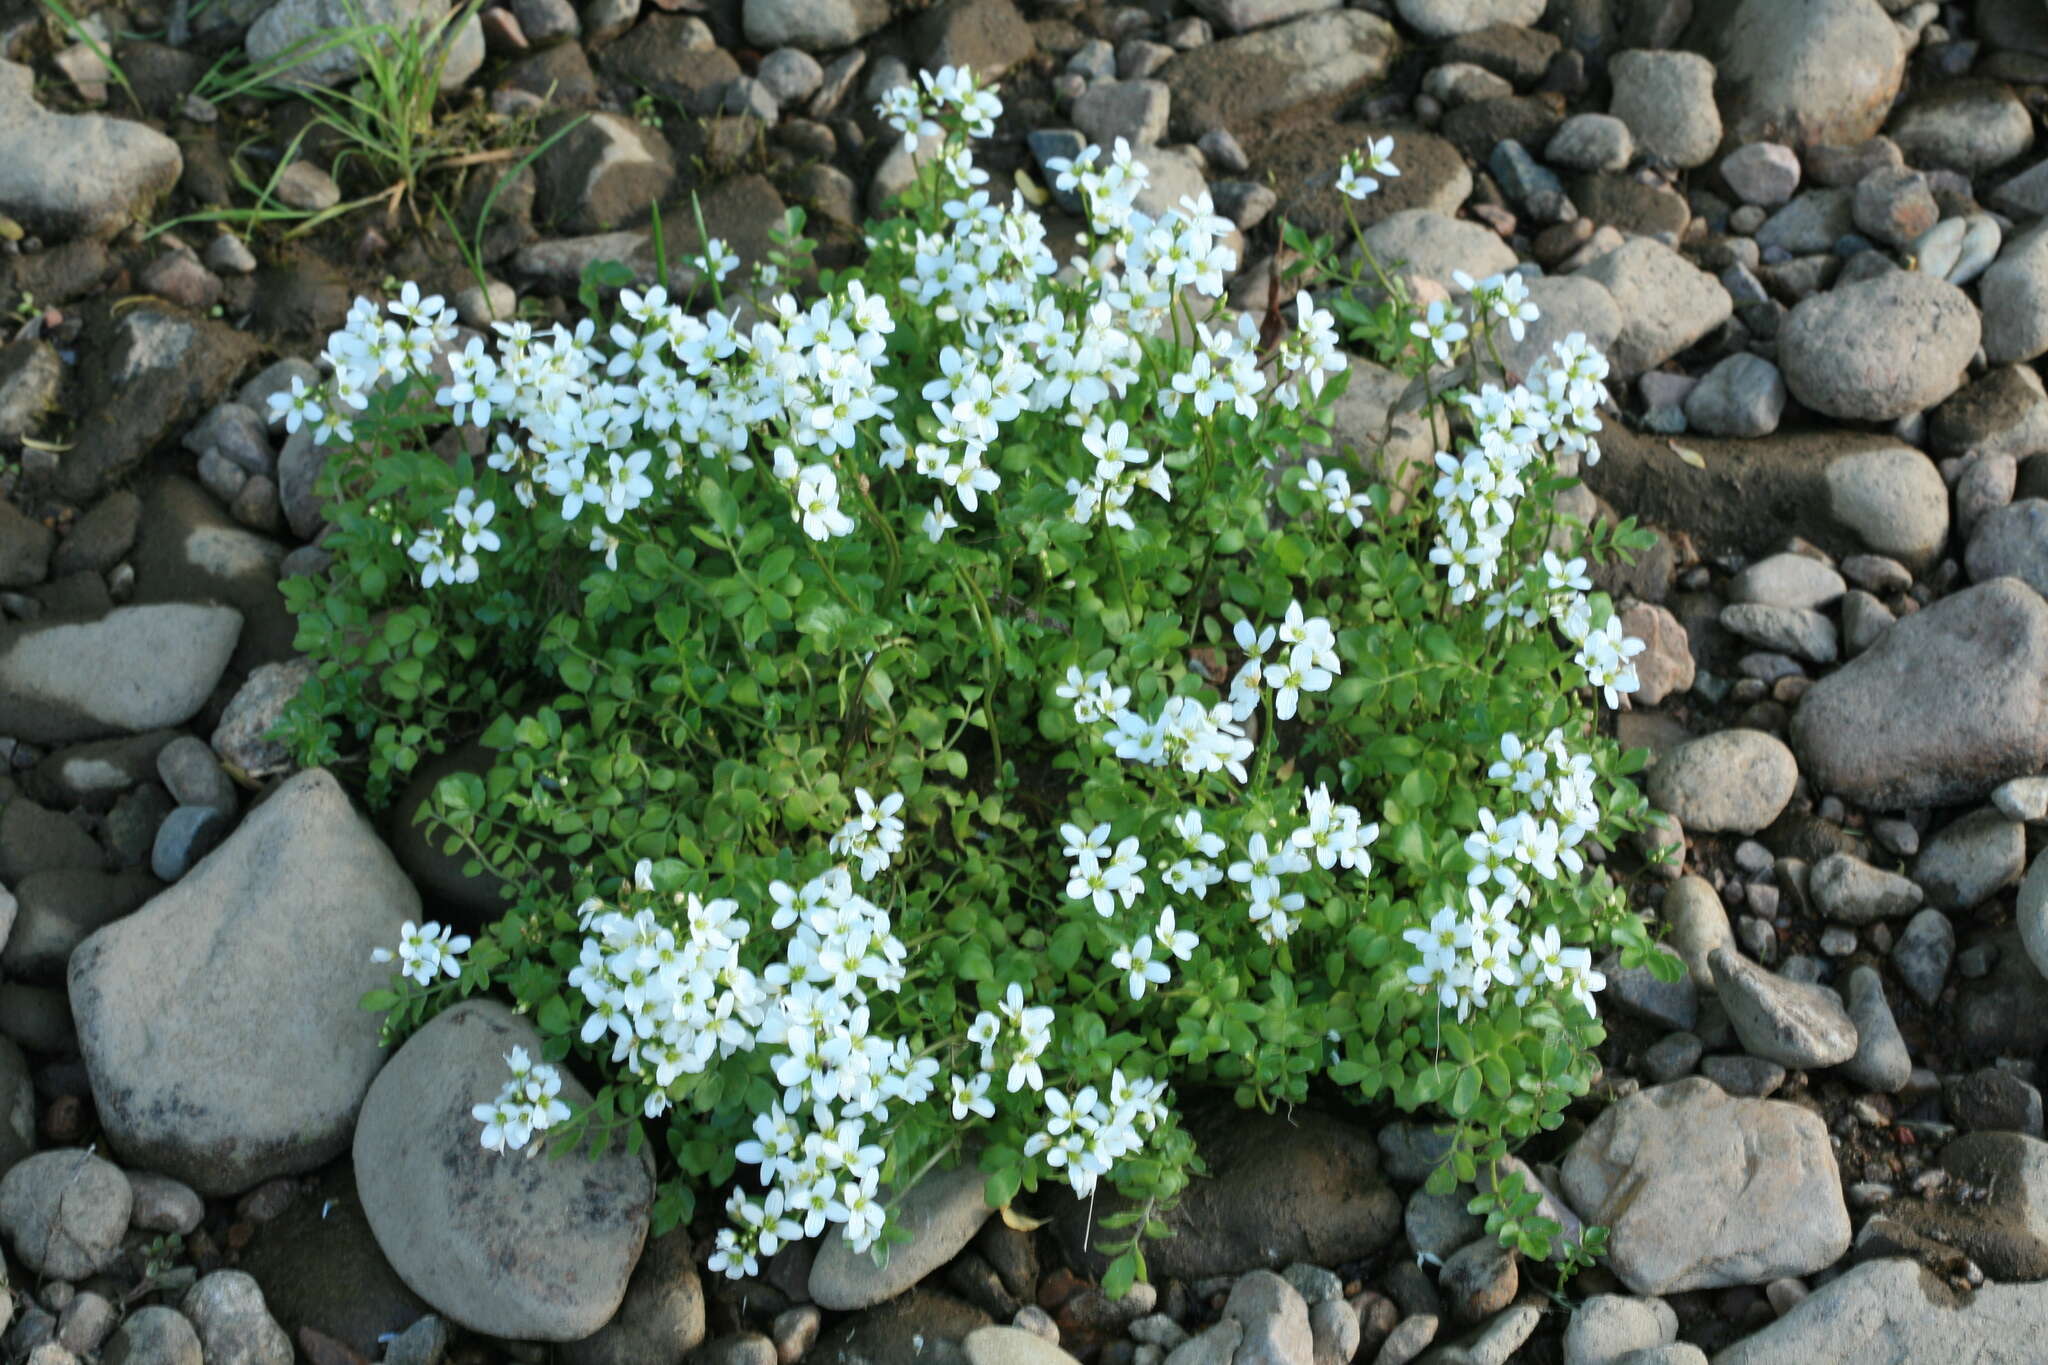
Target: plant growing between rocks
934,719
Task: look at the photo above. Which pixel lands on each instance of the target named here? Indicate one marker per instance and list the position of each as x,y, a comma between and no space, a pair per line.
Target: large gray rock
1895,1312
42,181
1947,704
1732,781
1818,73
942,1212
136,668
1700,1190
303,28
662,1316
1881,348
224,1087
1238,82
532,1250
1667,303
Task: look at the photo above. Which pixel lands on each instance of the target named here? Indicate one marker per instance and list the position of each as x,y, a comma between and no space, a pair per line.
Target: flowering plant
932,720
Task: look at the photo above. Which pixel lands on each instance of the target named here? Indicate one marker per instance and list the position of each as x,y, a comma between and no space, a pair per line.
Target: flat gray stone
942,1213
1700,1190
136,668
224,1089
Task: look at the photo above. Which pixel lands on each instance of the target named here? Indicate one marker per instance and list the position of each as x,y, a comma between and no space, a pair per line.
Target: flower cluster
874,833
1086,1134
1376,156
530,1102
1309,665
425,951
1555,414
1465,954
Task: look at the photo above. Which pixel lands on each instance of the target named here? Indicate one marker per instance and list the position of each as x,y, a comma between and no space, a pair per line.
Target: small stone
1881,1062
1273,1317
1700,1190
1480,1280
1667,101
234,1323
187,834
1751,1077
1438,1224
306,187
1894,207
1847,889
1922,954
1807,634
64,1212
156,1335
161,1204
1672,1056
1223,152
1135,111
1607,1327
1591,142
1762,173
1743,395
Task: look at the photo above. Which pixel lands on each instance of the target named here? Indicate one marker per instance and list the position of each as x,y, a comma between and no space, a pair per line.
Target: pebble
1788,579
1789,1022
2015,300
1994,1099
1971,859
1749,1077
1409,1339
942,1213
1591,142
1881,1062
1894,207
1765,174
1274,1320
1480,1279
1667,303
156,1335
306,187
1958,692
790,75
1011,1346
1672,1056
234,1322
2023,798
1806,634
1742,395
161,1204
1847,889
1923,952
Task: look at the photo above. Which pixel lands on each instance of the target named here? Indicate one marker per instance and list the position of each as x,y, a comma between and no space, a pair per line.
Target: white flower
425,951
296,406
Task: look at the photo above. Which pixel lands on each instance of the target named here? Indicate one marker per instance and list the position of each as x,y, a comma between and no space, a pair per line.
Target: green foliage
708,692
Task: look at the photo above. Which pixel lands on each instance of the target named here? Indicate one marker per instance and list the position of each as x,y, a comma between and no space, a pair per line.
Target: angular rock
1948,703
1789,1022
1879,349
1666,303
942,1213
1743,395
1701,1191
226,1089
1667,101
1892,1311
2011,541
1607,1327
531,1250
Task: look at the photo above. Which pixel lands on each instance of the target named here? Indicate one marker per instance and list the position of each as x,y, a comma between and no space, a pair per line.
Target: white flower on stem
296,406
971,1097
1138,967
1441,328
